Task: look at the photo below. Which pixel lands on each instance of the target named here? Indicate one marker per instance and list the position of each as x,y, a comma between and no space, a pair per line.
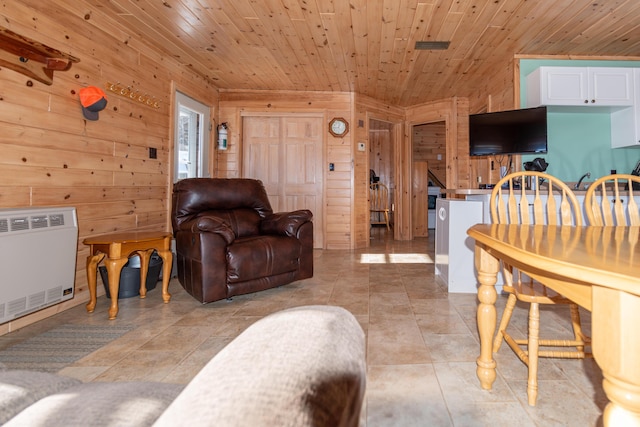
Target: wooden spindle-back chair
379,204
610,200
550,202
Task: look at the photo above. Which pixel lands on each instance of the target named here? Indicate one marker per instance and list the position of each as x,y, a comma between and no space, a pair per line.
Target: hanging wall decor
134,94
31,58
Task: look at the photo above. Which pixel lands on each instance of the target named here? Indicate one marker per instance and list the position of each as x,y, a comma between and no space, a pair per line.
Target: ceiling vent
423,45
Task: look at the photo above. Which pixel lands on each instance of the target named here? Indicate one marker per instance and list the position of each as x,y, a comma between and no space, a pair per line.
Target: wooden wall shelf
32,58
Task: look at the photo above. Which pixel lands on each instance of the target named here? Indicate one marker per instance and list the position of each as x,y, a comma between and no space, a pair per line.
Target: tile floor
422,342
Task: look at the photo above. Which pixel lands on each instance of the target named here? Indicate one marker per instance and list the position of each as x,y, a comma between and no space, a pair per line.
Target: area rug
59,347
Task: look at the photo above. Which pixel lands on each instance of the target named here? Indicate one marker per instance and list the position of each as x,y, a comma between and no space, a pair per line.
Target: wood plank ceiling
367,46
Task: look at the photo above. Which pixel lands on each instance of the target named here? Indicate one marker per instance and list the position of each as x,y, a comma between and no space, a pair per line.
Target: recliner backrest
193,196
244,222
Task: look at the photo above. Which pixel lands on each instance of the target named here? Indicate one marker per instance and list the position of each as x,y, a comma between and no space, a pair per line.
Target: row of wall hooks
133,94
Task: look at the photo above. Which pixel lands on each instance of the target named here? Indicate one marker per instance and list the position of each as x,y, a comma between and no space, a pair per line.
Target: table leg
167,261
114,268
487,267
92,271
616,345
144,269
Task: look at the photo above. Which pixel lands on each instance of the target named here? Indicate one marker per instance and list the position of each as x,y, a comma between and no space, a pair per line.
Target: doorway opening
382,173
428,145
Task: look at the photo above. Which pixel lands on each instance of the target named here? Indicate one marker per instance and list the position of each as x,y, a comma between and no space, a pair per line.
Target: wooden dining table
596,267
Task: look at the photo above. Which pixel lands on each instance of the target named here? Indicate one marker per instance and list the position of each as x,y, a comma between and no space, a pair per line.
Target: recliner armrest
209,224
285,223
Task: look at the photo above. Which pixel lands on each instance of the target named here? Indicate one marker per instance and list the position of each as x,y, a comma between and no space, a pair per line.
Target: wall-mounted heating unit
37,259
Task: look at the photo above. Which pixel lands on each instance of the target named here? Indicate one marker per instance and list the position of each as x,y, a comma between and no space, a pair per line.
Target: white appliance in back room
38,249
454,264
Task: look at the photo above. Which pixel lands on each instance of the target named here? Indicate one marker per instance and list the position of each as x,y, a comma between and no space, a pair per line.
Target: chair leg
532,350
577,327
504,322
386,219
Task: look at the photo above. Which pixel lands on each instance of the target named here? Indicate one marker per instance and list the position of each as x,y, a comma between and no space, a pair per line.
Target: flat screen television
508,132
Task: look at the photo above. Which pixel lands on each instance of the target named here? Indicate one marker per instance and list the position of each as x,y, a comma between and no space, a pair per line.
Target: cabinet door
625,122
611,86
557,86
563,85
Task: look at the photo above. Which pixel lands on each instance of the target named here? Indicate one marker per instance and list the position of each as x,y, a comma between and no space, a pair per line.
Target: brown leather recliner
230,242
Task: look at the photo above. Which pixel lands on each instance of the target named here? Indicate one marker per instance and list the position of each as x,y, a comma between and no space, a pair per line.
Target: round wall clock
338,127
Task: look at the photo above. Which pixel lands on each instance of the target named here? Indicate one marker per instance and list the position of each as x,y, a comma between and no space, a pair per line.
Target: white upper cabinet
625,122
580,86
611,86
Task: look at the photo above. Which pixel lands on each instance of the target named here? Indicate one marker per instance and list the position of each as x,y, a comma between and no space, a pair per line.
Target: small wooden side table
117,247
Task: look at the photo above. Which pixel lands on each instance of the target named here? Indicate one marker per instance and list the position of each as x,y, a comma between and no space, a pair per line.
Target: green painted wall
580,142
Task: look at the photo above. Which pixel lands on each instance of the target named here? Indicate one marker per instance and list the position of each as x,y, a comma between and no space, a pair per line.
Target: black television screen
508,132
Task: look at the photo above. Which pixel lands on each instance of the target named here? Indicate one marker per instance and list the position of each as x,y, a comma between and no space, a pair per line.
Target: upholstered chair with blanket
230,242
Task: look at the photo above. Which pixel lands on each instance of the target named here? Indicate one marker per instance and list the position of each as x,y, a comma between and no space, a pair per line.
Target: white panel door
285,152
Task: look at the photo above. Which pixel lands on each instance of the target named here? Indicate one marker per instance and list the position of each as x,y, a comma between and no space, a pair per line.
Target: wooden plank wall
498,92
52,156
339,151
346,189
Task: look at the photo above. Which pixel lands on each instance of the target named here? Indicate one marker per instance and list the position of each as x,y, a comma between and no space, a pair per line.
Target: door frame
455,113
204,160
393,140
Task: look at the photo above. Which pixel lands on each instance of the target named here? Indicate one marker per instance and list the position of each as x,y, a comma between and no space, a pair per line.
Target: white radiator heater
37,259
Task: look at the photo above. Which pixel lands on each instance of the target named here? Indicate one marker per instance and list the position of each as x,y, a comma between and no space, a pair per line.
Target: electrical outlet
153,153
479,179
